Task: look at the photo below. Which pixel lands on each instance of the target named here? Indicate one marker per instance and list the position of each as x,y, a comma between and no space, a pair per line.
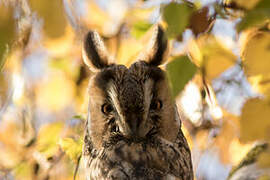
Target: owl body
133,130
150,159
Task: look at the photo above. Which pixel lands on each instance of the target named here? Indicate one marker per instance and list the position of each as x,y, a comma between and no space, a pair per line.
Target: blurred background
218,66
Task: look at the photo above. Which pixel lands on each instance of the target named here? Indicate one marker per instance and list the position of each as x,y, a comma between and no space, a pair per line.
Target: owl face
131,104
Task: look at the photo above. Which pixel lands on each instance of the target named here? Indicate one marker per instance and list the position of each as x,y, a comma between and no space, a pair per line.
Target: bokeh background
218,67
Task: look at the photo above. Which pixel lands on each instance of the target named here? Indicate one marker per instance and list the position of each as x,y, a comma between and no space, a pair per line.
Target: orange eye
106,108
156,105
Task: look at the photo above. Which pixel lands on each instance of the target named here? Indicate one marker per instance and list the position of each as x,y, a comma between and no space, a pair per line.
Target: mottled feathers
133,130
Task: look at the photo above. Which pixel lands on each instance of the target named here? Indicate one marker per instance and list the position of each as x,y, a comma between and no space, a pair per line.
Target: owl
133,130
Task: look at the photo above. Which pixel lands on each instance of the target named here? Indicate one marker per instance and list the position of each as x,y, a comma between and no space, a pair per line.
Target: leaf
226,139
176,17
264,177
11,149
140,28
48,138
4,88
65,65
200,21
250,158
255,17
255,53
129,48
56,92
243,3
79,117
63,45
264,159
263,4
7,30
23,170
96,18
261,83
73,148
211,56
255,121
53,16
180,70
139,14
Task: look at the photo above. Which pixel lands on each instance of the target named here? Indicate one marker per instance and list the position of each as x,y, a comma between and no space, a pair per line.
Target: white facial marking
148,87
115,101
113,95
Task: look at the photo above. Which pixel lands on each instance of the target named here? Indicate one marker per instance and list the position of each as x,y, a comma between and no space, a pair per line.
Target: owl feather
133,130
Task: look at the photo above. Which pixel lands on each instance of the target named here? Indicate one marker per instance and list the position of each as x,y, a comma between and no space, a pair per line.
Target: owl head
129,103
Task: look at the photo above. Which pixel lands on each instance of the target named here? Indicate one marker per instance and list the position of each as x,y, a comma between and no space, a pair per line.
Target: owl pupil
156,105
106,108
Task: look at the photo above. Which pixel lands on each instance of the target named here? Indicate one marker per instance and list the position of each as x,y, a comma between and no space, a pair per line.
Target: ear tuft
157,48
95,55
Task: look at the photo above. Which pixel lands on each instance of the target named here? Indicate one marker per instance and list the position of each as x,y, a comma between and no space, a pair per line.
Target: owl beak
133,122
134,127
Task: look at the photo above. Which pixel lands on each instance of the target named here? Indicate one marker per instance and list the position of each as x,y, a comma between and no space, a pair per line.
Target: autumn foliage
218,67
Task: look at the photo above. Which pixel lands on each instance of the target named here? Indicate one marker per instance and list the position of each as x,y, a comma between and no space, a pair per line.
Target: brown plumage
133,130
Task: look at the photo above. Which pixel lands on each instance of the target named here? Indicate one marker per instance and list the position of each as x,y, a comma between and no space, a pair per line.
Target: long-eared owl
133,130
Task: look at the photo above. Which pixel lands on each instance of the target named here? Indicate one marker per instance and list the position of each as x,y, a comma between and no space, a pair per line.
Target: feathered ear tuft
157,48
95,54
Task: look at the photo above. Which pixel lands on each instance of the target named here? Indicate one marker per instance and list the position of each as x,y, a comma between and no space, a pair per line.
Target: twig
77,167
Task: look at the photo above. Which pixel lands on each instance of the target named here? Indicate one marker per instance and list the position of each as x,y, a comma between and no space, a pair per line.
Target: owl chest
128,162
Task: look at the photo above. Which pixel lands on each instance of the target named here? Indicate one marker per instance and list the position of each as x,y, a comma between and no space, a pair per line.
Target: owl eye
106,108
156,105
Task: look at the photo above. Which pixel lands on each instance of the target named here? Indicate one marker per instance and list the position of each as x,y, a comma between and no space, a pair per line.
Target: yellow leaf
7,29
4,88
71,147
23,171
211,56
53,15
261,83
231,150
128,49
255,121
48,138
264,177
62,45
226,136
96,18
11,150
243,3
202,138
139,14
56,92
238,150
264,159
255,53
65,65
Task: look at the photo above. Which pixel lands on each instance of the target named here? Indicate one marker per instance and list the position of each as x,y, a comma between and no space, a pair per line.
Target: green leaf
73,148
263,4
3,56
80,117
180,70
140,28
256,16
177,18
